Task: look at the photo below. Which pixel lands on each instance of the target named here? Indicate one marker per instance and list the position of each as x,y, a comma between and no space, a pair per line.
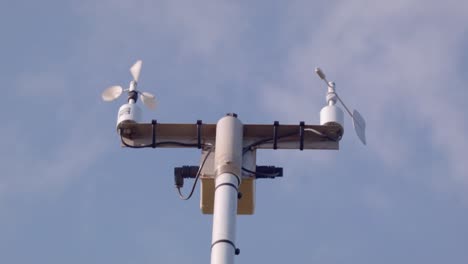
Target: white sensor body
332,115
128,113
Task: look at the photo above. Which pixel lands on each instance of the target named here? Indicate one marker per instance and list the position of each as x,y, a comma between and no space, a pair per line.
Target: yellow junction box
246,204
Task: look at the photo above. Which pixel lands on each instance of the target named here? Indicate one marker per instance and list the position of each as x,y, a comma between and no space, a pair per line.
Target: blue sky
70,194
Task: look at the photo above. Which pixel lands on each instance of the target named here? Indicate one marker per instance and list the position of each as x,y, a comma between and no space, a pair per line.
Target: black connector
265,172
268,172
181,173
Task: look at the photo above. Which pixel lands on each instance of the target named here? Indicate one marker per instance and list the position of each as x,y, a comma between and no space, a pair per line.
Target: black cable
260,174
245,149
175,143
321,134
265,140
130,146
196,177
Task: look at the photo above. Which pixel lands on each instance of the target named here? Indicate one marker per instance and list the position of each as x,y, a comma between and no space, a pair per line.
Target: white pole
228,164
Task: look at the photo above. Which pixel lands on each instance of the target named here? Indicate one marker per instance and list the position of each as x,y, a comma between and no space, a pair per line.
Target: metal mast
228,169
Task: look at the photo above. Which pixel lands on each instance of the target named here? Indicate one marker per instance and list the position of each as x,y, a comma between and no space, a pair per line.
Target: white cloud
395,63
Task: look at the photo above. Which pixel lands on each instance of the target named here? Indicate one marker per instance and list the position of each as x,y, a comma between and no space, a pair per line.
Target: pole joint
236,250
227,184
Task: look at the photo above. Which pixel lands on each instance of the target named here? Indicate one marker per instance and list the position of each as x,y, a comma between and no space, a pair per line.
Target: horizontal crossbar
279,136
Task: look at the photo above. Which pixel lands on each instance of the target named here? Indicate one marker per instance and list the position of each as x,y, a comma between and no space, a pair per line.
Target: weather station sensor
228,168
333,115
130,112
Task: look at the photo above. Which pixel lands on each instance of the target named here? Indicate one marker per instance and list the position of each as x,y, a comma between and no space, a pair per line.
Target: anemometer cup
331,115
128,113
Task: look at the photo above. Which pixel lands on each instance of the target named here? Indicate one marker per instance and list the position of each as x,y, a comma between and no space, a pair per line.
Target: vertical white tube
228,164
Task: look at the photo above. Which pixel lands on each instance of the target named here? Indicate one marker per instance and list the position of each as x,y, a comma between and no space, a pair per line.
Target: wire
130,146
315,131
196,177
265,140
162,143
175,143
261,141
245,150
322,134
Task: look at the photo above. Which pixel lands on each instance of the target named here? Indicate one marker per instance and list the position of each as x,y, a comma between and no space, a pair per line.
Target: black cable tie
199,124
236,250
153,124
227,184
275,134
301,135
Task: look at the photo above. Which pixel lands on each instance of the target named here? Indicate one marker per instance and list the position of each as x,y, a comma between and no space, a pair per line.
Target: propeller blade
359,126
112,93
136,69
148,95
148,100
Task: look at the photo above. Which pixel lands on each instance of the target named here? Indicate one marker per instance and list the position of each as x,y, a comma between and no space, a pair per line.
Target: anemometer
130,112
228,169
